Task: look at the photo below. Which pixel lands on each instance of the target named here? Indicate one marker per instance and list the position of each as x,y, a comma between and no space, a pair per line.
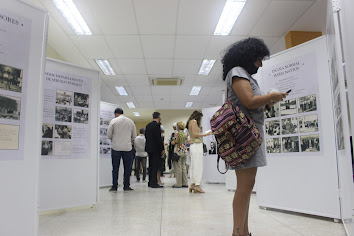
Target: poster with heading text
66,116
15,32
293,126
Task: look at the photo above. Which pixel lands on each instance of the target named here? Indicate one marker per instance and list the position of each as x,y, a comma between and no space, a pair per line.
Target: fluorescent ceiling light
136,114
189,104
195,90
130,104
72,15
229,15
206,67
105,67
121,90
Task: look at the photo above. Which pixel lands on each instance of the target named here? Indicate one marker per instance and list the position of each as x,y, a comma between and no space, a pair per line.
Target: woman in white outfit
196,151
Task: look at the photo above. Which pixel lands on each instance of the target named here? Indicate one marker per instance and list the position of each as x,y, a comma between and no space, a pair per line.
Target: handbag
175,157
237,136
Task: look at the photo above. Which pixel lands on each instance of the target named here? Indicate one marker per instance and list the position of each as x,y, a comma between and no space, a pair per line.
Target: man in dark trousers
155,148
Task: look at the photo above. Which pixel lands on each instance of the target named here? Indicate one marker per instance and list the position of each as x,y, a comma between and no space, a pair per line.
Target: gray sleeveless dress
259,158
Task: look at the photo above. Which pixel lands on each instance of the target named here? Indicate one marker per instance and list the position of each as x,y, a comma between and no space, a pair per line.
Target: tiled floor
170,211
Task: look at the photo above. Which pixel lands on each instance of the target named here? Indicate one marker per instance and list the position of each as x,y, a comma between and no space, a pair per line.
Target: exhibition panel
23,33
70,131
301,175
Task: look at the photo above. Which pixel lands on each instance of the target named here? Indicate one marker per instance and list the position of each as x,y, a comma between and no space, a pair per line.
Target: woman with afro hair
241,60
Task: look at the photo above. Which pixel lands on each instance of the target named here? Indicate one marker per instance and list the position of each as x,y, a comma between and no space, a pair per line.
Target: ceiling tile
132,66
191,47
156,16
137,80
161,90
93,47
125,46
199,17
158,46
143,99
141,91
159,66
217,68
282,14
218,44
186,67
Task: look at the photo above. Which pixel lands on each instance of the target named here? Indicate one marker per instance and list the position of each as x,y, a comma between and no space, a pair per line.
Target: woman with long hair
241,60
196,151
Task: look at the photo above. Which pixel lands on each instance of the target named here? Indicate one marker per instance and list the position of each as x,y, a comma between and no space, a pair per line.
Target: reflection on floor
169,211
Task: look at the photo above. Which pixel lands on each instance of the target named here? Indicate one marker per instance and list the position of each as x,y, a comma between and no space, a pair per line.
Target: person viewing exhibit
242,60
179,142
140,154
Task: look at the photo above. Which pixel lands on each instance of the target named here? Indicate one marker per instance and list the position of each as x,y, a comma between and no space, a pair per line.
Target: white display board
211,173
105,170
70,150
299,178
23,34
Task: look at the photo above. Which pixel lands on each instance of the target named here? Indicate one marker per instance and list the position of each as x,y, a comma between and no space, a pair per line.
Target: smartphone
288,91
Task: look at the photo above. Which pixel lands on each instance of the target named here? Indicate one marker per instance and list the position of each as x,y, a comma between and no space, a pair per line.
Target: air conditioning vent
166,81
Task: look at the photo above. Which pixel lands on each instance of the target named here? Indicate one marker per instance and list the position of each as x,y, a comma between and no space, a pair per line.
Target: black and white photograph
273,112
81,116
63,114
10,107
81,100
63,131
47,148
10,78
289,126
340,135
290,144
103,131
334,74
106,121
47,131
64,97
308,123
105,141
212,149
337,106
288,107
310,143
273,145
272,128
101,121
105,150
307,104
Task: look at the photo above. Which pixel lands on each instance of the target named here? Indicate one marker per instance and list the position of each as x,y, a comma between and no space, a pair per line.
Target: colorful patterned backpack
237,136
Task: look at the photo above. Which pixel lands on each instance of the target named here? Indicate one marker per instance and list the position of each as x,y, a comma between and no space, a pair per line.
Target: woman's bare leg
245,182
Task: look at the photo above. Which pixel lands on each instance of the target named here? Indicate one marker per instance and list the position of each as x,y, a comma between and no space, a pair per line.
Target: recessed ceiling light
189,104
72,15
136,114
206,67
105,67
229,15
130,104
121,90
195,90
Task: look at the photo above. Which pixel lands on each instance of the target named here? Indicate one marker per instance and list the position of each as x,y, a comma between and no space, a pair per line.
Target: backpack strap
226,166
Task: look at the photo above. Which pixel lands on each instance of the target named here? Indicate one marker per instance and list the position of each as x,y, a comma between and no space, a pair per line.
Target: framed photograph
105,150
288,107
337,106
105,141
64,97
272,128
63,114
273,145
273,112
106,121
63,131
10,107
10,78
339,134
9,136
47,148
101,121
103,131
47,131
62,148
290,144
212,149
81,100
81,116
307,104
310,143
289,126
308,123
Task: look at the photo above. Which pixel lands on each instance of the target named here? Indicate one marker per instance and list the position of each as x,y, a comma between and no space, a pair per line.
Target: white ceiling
152,38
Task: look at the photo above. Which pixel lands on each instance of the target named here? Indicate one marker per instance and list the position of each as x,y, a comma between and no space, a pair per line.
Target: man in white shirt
141,154
121,131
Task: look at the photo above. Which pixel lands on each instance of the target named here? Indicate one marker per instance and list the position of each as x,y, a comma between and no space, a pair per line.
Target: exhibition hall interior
176,117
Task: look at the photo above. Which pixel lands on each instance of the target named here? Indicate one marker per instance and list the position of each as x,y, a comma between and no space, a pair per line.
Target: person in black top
155,148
